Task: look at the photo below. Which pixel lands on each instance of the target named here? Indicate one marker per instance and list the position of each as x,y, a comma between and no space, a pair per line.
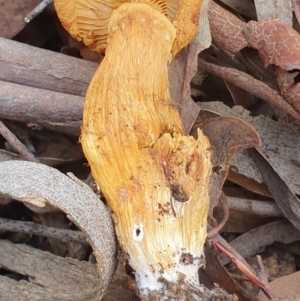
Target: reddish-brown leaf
226,29
277,43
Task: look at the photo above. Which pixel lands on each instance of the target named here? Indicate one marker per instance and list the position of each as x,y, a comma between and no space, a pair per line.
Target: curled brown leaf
227,136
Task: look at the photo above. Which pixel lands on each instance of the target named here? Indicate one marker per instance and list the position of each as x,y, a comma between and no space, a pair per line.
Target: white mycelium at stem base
154,179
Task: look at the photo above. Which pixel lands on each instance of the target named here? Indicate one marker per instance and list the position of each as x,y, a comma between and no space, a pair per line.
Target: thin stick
56,111
219,239
260,208
16,143
25,65
39,230
245,271
249,84
224,204
37,10
262,273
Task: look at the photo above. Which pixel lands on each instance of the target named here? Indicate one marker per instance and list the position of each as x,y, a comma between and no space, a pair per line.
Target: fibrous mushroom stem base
154,179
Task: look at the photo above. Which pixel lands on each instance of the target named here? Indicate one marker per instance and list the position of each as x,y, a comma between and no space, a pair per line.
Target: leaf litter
271,173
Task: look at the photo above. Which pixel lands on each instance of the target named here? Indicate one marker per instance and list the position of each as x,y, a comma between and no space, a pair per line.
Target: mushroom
154,178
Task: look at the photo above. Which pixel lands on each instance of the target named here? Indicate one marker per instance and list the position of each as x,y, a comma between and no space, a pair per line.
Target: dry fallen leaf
248,183
227,136
286,286
280,144
277,154
276,42
286,200
226,29
240,96
256,240
278,9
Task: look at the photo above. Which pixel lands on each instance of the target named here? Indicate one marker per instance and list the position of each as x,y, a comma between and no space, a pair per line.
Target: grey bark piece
278,9
53,278
39,184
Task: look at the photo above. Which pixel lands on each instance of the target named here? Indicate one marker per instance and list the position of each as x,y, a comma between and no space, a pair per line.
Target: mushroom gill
87,21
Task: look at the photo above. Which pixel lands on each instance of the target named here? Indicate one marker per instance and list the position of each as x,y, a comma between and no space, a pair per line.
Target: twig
219,239
89,179
37,10
261,208
223,202
262,273
40,68
249,84
245,270
39,230
56,111
16,143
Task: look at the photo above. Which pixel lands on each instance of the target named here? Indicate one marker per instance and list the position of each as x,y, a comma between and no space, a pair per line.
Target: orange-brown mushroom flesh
153,177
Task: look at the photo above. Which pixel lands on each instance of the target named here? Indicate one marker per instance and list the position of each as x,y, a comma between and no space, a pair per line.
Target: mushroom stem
154,179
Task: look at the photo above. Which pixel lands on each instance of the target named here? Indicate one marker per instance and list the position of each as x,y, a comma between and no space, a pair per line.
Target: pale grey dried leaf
280,145
289,298
278,9
203,36
39,184
256,240
286,200
246,166
52,278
